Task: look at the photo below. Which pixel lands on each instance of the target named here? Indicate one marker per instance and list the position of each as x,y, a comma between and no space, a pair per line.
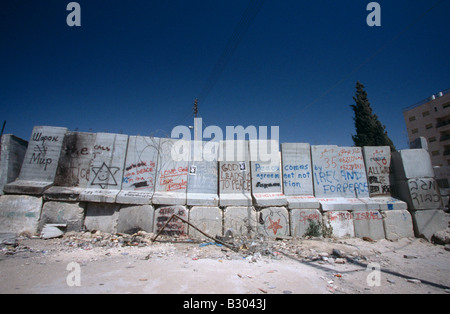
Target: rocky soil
118,263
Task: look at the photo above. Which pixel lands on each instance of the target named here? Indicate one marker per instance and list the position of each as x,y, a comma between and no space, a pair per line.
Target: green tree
369,130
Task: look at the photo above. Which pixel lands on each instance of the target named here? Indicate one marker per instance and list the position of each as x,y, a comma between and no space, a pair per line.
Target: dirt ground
279,267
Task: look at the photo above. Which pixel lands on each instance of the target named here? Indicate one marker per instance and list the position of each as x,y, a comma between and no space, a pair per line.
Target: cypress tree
369,130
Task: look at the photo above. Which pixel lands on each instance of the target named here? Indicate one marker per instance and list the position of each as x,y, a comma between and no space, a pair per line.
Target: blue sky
136,66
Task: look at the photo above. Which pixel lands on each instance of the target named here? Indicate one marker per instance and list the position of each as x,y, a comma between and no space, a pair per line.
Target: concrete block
134,218
70,214
298,176
12,154
302,202
139,178
341,204
106,171
234,174
202,189
171,184
266,173
368,224
379,171
235,199
326,170
301,220
102,217
384,203
240,221
397,224
273,222
412,163
297,170
353,172
339,172
176,227
40,162
338,224
19,213
72,174
207,219
74,163
428,222
420,194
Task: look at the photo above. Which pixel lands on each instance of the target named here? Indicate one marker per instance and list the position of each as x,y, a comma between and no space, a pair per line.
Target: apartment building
430,119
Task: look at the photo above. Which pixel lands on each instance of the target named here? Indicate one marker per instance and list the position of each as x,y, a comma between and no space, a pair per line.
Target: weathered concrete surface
171,184
339,177
72,174
384,203
139,177
134,218
428,222
234,174
301,219
176,227
19,213
341,203
379,171
298,176
273,222
207,219
338,224
353,172
40,162
102,217
302,202
266,173
71,214
397,224
12,154
240,221
368,224
327,183
405,164
297,170
106,171
202,189
420,193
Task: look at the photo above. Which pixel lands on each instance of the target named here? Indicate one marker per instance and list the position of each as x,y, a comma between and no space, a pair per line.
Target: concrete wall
117,183
40,163
12,153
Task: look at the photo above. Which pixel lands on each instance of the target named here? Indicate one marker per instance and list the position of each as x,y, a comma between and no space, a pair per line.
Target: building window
446,105
443,183
429,126
426,113
413,118
415,131
432,139
435,153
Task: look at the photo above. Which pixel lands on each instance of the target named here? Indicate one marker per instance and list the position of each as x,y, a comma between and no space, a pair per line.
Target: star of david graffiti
104,176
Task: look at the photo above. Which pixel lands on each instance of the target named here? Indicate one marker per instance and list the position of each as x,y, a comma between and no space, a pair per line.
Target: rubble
92,239
442,237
